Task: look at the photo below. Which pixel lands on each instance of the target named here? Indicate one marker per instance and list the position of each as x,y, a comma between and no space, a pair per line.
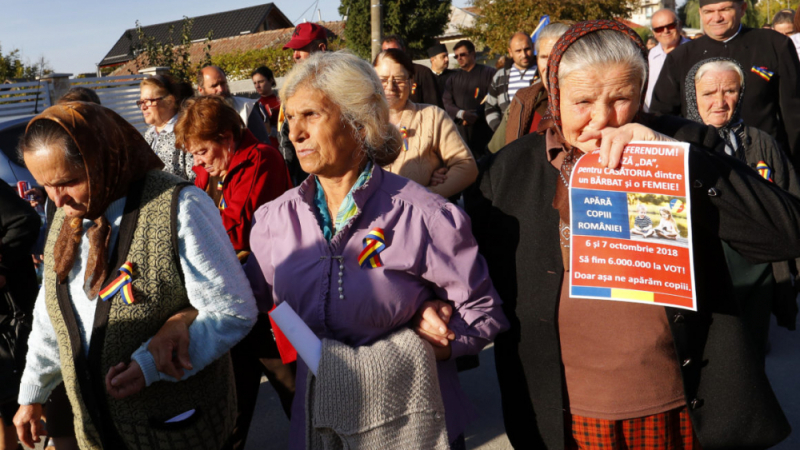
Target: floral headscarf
574,33
115,155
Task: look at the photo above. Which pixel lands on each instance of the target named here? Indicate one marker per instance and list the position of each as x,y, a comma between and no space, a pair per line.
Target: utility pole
377,26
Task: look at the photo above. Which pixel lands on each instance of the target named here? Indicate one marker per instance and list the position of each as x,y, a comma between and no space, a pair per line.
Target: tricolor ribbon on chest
121,284
404,133
374,244
764,170
222,204
763,72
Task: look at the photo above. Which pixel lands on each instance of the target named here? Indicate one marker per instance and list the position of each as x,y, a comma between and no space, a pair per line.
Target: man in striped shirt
519,72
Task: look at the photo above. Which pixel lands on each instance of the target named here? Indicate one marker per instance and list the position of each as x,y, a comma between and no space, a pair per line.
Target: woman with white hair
356,251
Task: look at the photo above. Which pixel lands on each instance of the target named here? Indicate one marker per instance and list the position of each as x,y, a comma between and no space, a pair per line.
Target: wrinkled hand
438,176
614,140
170,346
28,422
38,196
469,117
124,380
430,323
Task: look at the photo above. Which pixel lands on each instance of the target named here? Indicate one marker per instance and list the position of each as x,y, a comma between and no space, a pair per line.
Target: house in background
239,22
643,10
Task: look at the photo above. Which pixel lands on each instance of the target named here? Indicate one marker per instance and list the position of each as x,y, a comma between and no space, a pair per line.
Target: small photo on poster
658,218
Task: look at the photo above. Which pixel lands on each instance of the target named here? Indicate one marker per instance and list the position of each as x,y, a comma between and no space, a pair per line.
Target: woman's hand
28,422
124,380
170,346
430,323
614,140
439,176
38,196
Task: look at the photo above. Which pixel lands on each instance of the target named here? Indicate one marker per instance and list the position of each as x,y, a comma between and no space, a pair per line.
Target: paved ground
487,433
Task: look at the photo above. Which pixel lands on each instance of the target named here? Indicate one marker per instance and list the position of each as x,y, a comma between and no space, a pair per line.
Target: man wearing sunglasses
667,31
771,101
464,95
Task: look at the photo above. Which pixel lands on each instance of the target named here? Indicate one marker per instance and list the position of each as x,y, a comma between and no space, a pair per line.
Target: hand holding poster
631,237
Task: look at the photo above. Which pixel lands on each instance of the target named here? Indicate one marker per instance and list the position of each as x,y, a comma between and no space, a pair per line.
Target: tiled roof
223,25
254,41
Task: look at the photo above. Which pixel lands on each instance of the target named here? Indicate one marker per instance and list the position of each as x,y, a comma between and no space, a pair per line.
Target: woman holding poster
581,373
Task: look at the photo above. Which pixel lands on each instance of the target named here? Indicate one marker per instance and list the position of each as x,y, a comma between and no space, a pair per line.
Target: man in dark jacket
424,89
19,228
440,63
772,99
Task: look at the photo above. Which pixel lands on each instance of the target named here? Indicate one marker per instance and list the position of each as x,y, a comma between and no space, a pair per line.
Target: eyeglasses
399,82
669,26
461,55
148,101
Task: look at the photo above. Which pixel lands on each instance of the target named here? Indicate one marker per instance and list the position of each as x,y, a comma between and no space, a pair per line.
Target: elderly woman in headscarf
129,247
719,85
589,374
356,250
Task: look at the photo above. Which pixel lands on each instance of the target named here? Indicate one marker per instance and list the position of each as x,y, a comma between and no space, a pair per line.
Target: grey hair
719,66
783,16
673,13
553,31
46,134
352,84
601,48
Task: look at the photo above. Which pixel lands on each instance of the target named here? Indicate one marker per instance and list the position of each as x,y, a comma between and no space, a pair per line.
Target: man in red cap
307,38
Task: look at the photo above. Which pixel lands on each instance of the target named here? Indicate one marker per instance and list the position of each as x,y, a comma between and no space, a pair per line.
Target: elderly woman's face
66,185
160,109
324,144
545,47
396,82
595,98
213,156
717,96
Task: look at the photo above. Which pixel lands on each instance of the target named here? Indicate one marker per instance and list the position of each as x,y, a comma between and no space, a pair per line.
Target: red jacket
256,175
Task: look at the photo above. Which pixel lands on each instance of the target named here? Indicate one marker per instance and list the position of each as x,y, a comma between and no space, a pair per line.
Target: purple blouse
430,253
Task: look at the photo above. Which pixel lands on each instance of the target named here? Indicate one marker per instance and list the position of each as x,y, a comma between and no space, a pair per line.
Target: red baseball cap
304,34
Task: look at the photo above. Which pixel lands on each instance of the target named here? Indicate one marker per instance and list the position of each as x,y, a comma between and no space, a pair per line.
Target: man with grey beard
211,80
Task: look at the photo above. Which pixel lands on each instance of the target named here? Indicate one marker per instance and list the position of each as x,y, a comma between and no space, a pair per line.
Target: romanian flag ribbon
404,133
763,72
413,88
764,170
121,284
374,243
477,91
222,204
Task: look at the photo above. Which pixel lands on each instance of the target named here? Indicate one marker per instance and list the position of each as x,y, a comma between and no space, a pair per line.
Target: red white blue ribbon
404,133
121,284
374,243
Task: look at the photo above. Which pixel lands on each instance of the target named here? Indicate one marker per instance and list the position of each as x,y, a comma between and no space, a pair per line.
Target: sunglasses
461,55
669,26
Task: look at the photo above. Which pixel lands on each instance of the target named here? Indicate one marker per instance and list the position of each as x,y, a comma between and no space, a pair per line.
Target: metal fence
117,93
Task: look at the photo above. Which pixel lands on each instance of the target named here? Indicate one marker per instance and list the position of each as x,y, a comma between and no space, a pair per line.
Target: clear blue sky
75,35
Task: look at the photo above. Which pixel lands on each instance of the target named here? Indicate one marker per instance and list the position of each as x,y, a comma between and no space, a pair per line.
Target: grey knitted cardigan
382,396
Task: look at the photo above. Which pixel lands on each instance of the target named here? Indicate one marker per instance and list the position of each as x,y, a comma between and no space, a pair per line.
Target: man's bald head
211,80
666,29
520,48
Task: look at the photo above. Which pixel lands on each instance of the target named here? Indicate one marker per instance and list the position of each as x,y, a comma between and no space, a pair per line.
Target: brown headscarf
115,155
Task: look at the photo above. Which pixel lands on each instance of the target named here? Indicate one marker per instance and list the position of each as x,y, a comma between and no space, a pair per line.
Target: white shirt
796,39
656,59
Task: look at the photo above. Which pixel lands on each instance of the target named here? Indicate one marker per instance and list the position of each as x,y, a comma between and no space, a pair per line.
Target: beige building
645,8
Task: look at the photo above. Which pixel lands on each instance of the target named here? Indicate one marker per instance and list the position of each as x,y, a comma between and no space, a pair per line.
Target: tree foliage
689,14
416,21
500,19
172,54
12,66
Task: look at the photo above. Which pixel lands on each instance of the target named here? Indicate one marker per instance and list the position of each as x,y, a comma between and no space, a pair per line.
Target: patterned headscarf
733,131
574,33
114,154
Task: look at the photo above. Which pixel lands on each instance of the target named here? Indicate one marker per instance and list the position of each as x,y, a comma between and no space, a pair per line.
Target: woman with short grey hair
357,251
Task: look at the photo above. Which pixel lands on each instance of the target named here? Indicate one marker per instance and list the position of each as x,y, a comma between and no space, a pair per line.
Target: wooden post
377,26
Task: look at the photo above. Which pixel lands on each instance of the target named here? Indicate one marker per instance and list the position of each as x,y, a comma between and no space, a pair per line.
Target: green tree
500,19
12,66
172,54
689,14
416,21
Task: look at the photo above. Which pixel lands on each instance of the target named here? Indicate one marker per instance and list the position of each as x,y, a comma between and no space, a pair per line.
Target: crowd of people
409,216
